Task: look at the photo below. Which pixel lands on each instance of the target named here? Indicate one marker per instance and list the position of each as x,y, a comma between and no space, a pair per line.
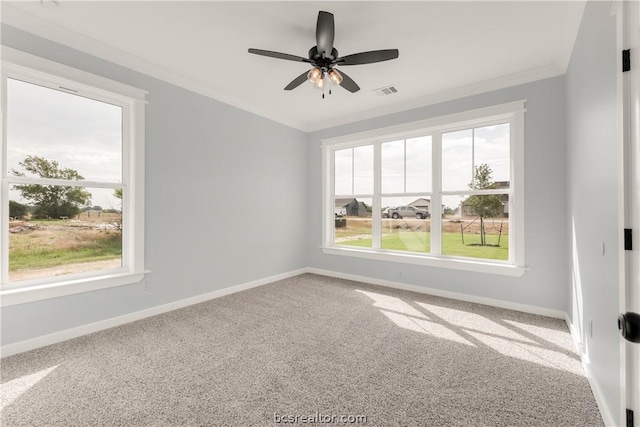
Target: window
72,180
445,192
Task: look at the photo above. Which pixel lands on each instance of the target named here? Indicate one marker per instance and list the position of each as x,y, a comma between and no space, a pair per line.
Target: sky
79,133
406,164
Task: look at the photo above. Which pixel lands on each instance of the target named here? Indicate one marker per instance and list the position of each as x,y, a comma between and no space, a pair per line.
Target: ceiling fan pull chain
323,86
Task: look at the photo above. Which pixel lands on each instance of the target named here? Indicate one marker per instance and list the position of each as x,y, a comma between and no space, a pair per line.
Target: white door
629,38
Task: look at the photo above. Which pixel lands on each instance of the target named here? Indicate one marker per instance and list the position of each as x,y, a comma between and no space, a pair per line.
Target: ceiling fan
324,57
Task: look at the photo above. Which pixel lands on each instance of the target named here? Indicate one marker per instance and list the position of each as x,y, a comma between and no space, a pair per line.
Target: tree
485,205
52,201
17,210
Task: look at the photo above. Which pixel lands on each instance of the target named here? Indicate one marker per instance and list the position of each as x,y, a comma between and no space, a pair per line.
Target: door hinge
627,240
629,418
626,60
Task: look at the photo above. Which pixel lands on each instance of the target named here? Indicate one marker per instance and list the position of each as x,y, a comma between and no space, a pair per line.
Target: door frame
628,85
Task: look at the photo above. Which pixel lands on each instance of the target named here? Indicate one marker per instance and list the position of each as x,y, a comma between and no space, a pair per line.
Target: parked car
340,212
405,211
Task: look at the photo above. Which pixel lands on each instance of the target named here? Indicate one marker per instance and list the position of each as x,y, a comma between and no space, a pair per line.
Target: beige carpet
305,346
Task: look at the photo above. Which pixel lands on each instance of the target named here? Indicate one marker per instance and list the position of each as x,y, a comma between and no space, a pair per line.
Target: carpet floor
309,346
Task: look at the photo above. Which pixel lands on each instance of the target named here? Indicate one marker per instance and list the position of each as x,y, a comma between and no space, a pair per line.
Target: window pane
343,176
393,167
406,224
363,170
491,147
63,230
418,168
82,134
479,229
457,161
354,228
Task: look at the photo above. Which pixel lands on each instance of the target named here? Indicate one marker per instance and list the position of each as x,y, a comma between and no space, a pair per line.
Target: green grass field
39,244
24,254
451,244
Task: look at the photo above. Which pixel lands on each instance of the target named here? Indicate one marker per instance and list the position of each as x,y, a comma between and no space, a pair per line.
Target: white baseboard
558,314
605,411
56,337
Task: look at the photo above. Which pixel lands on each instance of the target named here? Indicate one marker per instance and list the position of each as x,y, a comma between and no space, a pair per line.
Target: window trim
33,69
513,112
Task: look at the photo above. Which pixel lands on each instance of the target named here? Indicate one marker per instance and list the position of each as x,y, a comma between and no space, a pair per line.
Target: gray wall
545,203
592,175
204,159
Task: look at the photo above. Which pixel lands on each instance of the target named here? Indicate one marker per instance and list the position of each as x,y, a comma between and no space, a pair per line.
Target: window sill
39,292
501,268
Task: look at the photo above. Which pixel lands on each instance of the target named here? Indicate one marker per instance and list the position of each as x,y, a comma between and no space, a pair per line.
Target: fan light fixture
335,76
319,84
314,75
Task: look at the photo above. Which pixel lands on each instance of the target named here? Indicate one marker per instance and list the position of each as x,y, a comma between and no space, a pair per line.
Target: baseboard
605,412
558,314
56,337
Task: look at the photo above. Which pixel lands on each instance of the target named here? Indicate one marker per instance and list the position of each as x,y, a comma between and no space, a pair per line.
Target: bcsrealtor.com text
318,418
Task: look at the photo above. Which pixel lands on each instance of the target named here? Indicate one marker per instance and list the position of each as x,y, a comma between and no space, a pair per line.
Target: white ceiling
447,49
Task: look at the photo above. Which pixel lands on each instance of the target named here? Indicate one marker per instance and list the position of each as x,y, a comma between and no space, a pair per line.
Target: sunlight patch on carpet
531,353
13,389
389,303
425,327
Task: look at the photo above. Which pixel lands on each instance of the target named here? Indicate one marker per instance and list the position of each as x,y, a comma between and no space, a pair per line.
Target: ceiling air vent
386,90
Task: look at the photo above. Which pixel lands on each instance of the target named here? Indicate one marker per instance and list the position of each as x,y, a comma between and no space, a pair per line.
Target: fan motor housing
321,61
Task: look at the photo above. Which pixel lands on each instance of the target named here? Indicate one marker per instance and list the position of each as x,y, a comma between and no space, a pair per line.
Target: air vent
386,90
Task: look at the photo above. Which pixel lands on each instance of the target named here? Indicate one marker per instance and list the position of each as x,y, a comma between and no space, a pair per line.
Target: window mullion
4,251
473,157
404,175
63,182
376,214
4,209
353,171
436,198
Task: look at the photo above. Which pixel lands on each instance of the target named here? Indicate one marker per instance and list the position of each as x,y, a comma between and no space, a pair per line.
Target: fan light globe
314,75
319,84
335,76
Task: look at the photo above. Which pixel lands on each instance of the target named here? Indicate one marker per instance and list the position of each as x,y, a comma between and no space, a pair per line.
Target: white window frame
512,113
33,69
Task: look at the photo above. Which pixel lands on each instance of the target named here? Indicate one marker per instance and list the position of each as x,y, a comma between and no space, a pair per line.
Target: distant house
504,198
350,206
362,209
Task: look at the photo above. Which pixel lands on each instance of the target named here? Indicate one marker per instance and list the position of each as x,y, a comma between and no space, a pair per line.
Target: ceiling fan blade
325,32
279,55
368,57
348,83
297,81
